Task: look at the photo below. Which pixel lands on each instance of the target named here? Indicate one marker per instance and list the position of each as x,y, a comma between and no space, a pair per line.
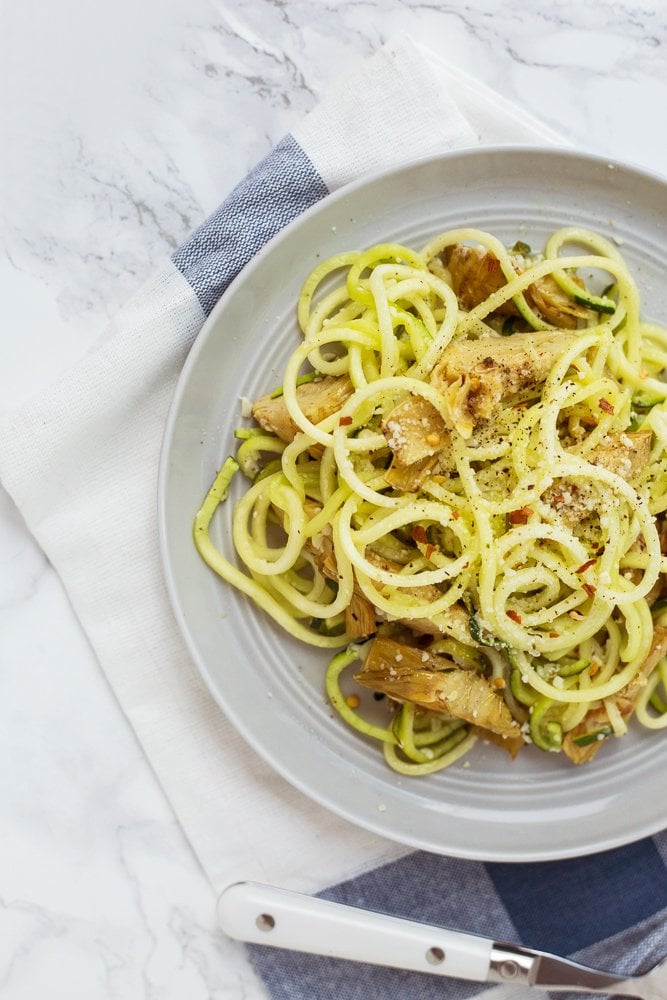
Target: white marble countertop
123,125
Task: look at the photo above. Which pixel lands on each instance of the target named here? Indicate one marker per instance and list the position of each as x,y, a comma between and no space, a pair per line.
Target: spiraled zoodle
460,488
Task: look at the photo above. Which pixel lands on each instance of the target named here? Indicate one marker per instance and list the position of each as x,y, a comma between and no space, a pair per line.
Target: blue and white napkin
81,464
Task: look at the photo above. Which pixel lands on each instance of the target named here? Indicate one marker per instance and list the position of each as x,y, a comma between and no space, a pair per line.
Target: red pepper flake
430,549
585,566
606,406
520,516
419,534
514,615
345,421
554,635
455,515
590,589
558,499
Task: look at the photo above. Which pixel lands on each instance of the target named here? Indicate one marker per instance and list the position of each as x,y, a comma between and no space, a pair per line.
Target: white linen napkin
81,464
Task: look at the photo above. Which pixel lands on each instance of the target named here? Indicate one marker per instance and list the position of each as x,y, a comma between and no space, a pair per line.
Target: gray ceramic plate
271,687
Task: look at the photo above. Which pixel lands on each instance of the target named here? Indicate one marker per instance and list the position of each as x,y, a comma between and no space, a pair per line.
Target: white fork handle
262,914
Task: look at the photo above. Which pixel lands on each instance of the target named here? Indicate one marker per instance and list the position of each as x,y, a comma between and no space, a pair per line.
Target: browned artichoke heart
435,683
414,431
476,274
317,400
597,720
417,436
623,454
475,376
453,621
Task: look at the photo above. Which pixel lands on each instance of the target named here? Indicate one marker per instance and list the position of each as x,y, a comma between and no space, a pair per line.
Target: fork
263,914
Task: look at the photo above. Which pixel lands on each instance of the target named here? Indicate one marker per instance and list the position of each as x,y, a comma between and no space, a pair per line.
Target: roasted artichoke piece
476,274
318,400
360,617
555,305
410,478
597,721
419,440
435,683
475,376
454,621
624,454
414,431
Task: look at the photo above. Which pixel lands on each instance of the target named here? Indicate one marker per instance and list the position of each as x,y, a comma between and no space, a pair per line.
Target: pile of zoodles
460,489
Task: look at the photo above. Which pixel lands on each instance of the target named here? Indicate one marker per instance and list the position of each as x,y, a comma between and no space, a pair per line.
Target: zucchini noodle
460,488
